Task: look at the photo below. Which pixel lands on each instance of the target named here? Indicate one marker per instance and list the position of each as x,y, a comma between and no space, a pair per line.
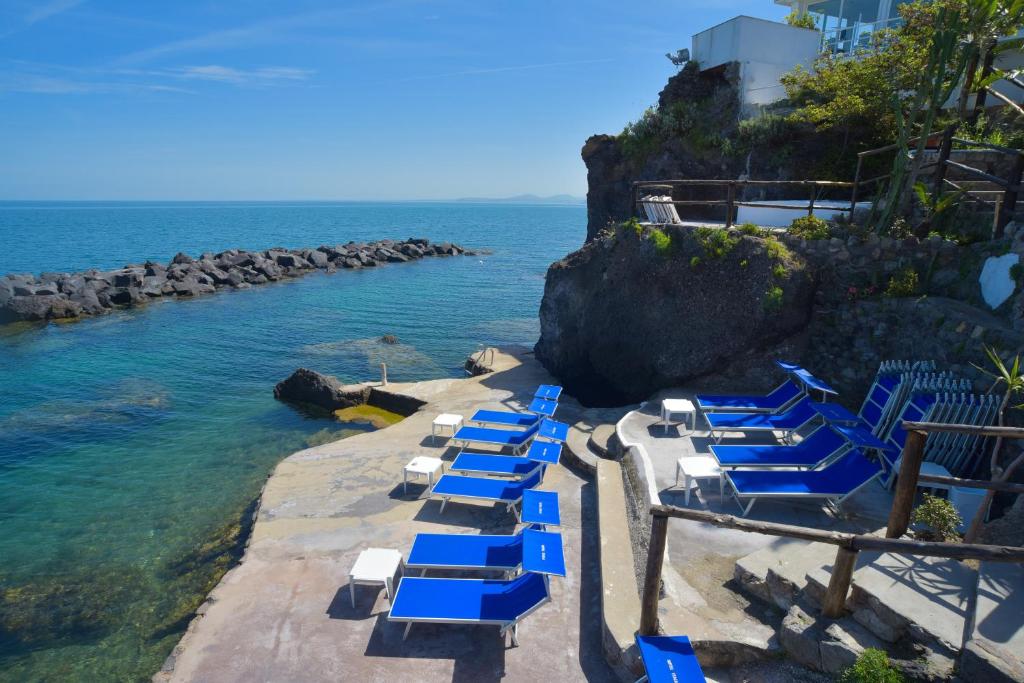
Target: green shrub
800,20
695,261
872,667
773,298
753,230
662,242
777,250
716,242
903,283
809,228
941,518
779,272
744,263
633,225
899,229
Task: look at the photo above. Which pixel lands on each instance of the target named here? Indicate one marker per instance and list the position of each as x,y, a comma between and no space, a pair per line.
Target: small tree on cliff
1010,380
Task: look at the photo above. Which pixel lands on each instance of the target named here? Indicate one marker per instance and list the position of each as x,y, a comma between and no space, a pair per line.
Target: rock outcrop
57,296
623,317
312,388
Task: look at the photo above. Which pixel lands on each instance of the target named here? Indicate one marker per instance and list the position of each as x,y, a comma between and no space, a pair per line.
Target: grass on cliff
715,242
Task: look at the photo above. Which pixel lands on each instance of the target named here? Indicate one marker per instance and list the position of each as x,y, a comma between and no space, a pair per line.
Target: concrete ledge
620,600
577,455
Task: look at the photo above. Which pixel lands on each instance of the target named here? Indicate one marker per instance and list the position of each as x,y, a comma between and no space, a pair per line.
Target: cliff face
623,316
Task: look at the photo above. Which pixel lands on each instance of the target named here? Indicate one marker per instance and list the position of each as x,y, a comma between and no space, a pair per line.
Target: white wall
764,49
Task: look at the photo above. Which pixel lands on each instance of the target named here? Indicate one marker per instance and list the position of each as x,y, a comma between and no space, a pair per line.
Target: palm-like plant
1010,380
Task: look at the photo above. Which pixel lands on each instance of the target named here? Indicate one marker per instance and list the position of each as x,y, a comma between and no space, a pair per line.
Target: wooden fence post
1010,196
834,604
730,198
906,487
652,577
856,186
814,192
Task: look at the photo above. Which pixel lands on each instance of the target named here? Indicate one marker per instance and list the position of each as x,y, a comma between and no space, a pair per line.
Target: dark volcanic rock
180,258
310,387
620,321
48,307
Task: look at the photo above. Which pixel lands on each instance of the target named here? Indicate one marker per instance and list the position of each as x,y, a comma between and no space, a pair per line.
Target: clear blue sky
252,99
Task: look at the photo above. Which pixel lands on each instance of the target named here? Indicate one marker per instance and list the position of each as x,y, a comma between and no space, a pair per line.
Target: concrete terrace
284,614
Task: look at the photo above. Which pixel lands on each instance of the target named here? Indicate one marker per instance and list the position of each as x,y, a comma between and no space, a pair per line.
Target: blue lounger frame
778,399
486,489
484,601
538,409
818,448
668,659
826,484
792,420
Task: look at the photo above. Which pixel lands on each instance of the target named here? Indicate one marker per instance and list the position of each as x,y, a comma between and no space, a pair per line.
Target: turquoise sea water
131,444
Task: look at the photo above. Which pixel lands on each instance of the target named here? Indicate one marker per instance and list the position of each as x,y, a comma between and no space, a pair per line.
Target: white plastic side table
375,567
698,467
422,465
443,420
678,406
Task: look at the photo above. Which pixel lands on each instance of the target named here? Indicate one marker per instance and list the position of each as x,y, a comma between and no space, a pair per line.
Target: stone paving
284,614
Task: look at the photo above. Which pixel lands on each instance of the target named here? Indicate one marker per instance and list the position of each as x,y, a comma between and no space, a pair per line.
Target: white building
765,50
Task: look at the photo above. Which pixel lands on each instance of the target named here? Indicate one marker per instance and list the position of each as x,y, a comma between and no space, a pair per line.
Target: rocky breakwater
56,296
637,310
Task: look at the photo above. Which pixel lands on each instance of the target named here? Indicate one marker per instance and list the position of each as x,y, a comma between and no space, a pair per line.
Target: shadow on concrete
341,606
591,648
417,489
478,652
492,518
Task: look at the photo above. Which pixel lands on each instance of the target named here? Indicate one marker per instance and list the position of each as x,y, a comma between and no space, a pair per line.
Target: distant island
527,199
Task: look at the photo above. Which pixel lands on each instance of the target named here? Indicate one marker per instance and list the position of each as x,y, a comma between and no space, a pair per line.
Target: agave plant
1009,380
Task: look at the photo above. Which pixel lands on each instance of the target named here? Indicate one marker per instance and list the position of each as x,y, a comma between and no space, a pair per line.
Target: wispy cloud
227,74
49,9
504,69
54,79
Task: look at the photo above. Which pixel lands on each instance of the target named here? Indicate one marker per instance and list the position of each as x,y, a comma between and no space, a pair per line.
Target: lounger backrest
531,480
527,435
520,597
878,396
784,393
851,471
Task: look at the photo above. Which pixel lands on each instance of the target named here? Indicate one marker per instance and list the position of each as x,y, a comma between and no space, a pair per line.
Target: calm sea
131,444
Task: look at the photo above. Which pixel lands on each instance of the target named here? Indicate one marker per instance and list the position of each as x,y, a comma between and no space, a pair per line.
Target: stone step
925,599
995,644
603,441
778,573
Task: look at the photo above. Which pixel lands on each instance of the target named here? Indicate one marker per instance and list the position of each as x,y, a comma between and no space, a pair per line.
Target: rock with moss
623,317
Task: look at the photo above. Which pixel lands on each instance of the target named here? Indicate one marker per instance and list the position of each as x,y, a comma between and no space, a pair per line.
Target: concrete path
284,613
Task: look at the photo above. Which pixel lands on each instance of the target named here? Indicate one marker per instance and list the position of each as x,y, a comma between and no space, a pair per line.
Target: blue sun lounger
516,440
779,398
485,489
466,552
489,464
833,484
539,408
548,392
800,414
668,659
821,445
483,601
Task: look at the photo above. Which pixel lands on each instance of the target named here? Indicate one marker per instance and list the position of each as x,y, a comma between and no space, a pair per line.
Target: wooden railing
848,545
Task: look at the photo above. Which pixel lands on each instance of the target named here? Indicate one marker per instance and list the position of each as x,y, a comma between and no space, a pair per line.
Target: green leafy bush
633,225
716,242
753,230
809,228
662,242
941,518
773,298
779,272
872,667
695,261
777,250
800,20
902,284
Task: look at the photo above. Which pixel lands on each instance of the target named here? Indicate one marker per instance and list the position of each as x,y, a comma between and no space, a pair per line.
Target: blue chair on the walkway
539,408
778,399
489,464
668,659
425,600
832,484
798,415
486,489
516,440
820,446
466,552
548,392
